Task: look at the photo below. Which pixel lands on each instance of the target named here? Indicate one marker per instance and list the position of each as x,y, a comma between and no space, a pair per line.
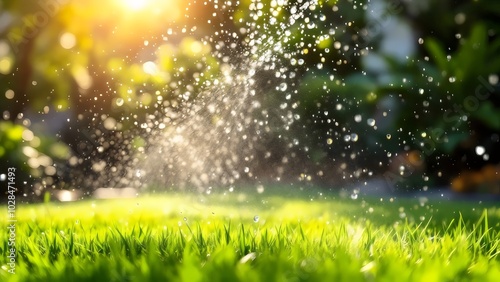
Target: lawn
273,236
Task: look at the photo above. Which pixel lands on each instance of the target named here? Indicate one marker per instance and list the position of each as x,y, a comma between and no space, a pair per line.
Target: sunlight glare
135,5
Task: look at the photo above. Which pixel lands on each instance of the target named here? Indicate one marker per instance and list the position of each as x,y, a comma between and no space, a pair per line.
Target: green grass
305,236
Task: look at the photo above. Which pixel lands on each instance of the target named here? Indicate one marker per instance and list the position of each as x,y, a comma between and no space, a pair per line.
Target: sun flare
134,5
172,8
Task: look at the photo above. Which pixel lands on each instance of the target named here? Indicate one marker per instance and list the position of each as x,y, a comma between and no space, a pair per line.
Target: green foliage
90,64
29,154
441,102
10,138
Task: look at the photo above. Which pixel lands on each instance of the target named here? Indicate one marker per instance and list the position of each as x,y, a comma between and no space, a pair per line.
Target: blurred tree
108,65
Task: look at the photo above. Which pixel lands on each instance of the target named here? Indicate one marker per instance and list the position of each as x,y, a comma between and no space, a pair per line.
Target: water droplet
119,102
354,137
283,87
460,18
260,189
493,79
480,150
256,218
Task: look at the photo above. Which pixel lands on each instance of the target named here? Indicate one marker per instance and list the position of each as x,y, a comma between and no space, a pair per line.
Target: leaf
471,57
436,51
489,115
493,62
361,84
